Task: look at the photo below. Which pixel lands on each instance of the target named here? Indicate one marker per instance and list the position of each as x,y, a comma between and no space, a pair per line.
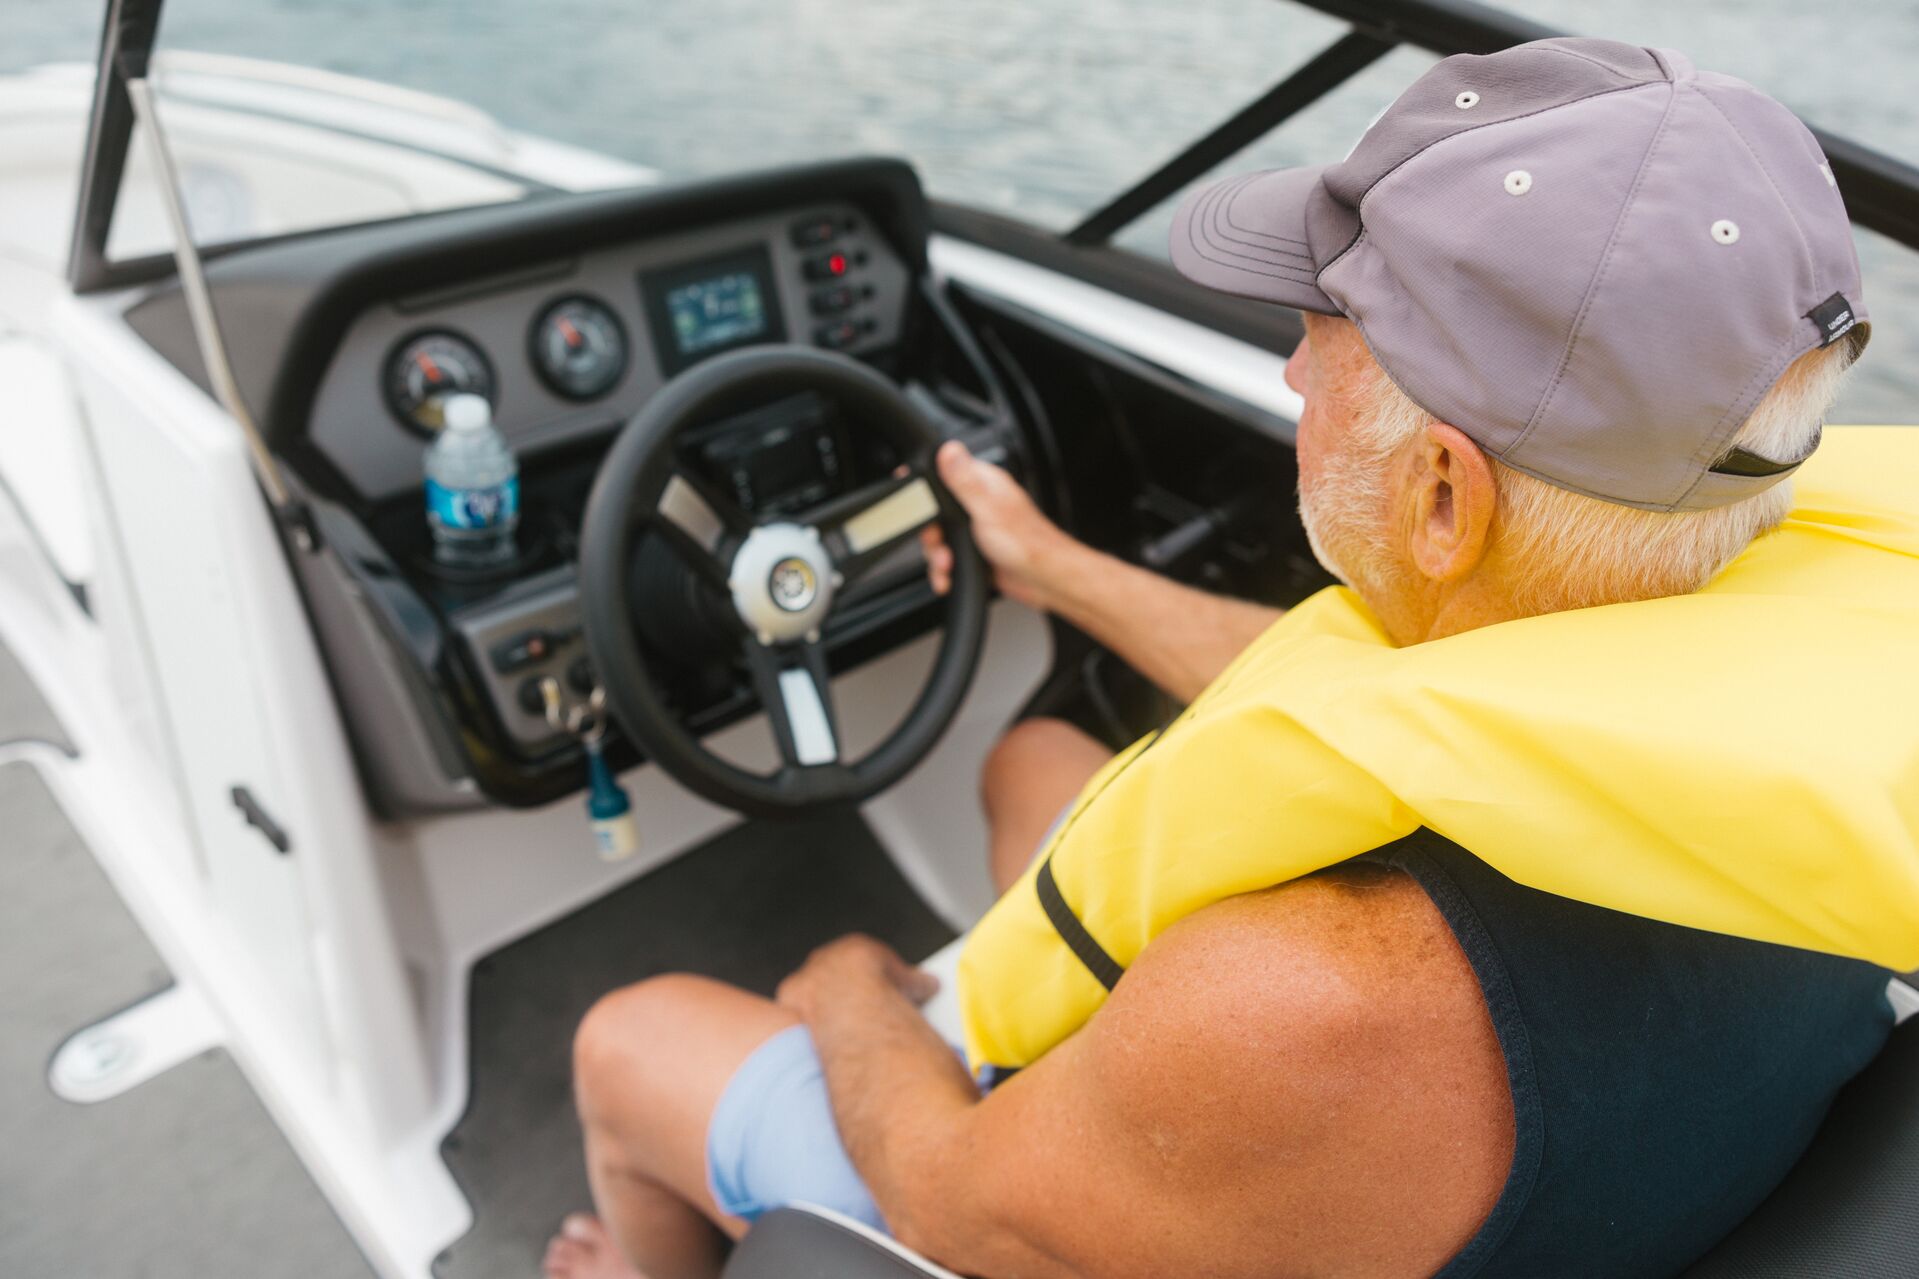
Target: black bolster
1072,932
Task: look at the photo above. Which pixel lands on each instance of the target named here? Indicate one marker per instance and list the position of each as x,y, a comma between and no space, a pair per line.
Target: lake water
1040,108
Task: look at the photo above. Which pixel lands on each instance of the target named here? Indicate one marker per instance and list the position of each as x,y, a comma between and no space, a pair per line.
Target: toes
582,1227
563,1259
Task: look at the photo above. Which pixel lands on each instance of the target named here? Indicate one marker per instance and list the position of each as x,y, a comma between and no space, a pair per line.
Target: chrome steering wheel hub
782,581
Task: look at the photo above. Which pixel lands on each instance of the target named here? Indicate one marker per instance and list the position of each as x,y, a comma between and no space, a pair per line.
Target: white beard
1344,516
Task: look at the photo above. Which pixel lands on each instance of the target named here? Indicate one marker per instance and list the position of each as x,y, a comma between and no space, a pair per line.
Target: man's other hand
847,964
1010,530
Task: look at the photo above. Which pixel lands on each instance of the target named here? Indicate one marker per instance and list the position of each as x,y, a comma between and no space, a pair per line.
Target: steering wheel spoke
863,527
798,697
700,524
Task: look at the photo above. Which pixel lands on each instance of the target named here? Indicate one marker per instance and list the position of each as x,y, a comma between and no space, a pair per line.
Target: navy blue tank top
1663,1079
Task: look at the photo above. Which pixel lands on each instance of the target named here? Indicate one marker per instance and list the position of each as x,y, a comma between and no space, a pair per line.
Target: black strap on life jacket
1089,952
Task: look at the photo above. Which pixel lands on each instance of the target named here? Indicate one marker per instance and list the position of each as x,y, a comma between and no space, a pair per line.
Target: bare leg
1032,773
651,1060
650,1063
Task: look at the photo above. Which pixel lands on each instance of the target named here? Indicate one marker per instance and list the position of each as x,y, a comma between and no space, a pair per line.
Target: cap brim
1247,236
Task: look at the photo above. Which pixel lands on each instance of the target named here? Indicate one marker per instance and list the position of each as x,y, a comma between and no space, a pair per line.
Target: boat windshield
1034,108
291,117
361,111
1041,109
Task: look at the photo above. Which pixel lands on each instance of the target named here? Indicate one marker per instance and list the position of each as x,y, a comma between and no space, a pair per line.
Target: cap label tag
1834,317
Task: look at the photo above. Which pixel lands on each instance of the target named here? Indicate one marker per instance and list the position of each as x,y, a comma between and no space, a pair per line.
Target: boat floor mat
181,1177
745,907
24,713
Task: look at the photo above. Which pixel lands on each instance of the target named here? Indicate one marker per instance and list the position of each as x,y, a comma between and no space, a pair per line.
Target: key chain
616,831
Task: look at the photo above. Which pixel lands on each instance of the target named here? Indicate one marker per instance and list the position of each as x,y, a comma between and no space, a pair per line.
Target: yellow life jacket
1744,760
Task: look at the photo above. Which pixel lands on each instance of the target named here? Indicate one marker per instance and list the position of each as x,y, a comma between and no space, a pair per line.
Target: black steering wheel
781,576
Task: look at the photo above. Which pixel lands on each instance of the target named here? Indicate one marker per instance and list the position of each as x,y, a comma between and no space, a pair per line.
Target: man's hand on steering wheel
1177,636
1025,548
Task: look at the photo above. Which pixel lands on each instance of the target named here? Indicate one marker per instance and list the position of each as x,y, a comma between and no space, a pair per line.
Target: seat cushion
803,1242
1849,1206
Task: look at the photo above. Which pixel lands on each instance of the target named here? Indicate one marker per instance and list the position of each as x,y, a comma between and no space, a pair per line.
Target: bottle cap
465,412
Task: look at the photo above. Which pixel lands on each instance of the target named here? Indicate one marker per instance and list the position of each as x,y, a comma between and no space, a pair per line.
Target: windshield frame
1881,192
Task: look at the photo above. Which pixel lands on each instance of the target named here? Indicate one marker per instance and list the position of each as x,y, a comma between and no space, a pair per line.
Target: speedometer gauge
428,367
579,347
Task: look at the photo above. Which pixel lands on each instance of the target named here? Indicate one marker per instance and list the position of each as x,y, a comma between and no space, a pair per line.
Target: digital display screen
702,308
785,456
788,470
717,312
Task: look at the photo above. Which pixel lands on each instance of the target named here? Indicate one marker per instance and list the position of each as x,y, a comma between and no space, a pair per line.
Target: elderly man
1573,312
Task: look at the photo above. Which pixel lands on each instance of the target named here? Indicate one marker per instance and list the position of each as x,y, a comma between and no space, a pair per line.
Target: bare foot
584,1250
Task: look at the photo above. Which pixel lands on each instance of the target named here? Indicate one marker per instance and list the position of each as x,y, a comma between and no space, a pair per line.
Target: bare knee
1030,752
626,1036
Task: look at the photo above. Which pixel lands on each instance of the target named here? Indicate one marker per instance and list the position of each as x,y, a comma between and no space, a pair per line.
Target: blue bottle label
479,508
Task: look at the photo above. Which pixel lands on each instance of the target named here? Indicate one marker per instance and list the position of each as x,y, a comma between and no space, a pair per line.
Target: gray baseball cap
1588,256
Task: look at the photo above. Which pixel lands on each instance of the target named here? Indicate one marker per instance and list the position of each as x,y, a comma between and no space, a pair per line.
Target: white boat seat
805,1242
942,1010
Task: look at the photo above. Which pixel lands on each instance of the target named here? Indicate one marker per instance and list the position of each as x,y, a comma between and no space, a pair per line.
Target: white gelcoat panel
162,479
298,950
39,453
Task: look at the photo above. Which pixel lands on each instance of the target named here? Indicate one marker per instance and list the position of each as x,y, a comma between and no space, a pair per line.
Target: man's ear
1454,496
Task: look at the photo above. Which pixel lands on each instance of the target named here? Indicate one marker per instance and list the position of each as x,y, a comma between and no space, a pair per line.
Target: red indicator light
836,265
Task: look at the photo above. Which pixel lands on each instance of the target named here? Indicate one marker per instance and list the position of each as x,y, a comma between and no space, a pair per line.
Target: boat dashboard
566,349
569,314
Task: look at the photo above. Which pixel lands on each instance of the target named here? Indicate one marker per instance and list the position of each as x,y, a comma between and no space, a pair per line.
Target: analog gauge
579,348
427,368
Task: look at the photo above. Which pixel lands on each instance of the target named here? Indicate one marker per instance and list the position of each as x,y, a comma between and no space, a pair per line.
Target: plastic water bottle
472,486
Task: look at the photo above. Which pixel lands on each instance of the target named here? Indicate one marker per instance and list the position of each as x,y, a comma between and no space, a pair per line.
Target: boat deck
183,1176
746,907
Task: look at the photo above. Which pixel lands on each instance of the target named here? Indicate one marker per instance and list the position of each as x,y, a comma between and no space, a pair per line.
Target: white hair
1565,550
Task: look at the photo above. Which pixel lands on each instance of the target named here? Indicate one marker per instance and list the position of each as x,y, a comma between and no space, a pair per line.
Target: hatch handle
257,818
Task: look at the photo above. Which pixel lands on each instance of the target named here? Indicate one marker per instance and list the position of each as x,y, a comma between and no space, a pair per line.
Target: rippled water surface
1041,108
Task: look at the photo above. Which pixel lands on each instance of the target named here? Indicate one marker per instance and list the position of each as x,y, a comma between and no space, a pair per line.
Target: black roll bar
1328,69
1444,27
1881,193
126,42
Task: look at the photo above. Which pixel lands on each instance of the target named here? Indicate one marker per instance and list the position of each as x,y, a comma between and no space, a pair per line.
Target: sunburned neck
1447,608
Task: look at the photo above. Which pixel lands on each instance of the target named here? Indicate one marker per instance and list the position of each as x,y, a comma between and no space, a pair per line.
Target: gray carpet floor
746,907
184,1176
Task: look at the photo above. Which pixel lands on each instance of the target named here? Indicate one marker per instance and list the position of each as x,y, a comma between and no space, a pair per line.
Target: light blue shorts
772,1138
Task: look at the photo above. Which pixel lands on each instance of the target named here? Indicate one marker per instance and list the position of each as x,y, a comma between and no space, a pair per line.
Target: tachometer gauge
579,347
427,368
